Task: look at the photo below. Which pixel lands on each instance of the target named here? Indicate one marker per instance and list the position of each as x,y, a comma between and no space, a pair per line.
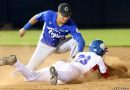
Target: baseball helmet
98,47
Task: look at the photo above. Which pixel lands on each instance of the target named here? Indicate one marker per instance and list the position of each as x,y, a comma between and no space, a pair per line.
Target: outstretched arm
31,22
78,37
103,69
106,74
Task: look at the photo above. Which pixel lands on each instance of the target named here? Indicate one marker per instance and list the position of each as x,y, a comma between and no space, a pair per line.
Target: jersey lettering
54,33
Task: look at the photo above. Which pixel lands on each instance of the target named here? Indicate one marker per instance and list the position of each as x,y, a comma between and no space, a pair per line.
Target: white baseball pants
66,72
43,51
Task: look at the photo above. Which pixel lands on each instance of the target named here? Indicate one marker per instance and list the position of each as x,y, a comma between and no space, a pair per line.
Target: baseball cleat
54,75
9,60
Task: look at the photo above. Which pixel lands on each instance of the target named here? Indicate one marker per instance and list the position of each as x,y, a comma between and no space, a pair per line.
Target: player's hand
22,32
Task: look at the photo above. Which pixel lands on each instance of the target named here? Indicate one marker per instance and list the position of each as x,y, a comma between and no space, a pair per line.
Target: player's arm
105,74
32,21
78,37
103,69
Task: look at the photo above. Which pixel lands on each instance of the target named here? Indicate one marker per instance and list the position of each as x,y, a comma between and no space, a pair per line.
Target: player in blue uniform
53,37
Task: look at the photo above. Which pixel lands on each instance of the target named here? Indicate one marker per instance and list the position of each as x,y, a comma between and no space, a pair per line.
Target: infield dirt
118,58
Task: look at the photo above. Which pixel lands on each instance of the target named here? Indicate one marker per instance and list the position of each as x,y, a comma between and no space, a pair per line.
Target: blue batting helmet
98,47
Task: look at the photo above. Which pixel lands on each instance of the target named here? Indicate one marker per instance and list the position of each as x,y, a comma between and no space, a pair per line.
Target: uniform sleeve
103,69
78,37
41,16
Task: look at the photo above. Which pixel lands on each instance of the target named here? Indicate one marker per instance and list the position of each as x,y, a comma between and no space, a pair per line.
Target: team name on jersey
54,33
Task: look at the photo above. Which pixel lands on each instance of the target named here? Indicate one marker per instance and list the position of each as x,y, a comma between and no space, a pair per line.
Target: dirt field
116,82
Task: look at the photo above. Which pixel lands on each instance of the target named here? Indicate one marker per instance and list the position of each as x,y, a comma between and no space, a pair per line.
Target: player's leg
40,54
45,74
28,74
66,45
66,72
41,75
59,73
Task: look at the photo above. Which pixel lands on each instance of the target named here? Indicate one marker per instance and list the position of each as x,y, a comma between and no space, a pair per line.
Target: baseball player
57,25
62,72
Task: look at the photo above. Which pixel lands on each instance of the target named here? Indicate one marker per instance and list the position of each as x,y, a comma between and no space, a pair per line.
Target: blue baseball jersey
53,34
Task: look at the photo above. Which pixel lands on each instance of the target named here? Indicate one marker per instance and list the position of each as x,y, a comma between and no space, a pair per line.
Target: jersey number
83,59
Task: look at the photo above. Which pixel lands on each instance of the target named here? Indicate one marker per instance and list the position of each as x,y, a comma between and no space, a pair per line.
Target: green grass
12,37
111,37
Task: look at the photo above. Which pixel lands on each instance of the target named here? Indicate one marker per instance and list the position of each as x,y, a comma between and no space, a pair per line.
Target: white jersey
87,61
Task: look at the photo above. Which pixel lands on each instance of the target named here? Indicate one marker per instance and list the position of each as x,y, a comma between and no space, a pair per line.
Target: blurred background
86,13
